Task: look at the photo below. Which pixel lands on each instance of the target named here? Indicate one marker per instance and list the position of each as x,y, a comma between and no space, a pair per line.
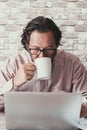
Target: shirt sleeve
80,80
7,87
7,73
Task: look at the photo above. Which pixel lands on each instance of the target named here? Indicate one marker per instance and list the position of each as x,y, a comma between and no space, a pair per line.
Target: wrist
14,85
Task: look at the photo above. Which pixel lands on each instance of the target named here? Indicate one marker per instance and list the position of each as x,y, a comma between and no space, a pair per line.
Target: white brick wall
69,15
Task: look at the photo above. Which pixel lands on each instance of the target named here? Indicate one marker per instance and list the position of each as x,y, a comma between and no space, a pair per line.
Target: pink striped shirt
68,75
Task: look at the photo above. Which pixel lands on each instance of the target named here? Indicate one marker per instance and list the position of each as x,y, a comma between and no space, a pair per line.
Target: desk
2,121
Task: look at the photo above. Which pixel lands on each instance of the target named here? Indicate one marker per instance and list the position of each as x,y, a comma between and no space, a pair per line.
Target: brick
71,0
2,28
34,12
2,58
3,34
3,0
76,52
70,35
11,17
11,21
70,29
81,47
82,4
49,4
75,46
24,10
13,4
11,28
82,35
59,5
72,16
81,29
12,37
2,4
21,22
2,41
69,23
25,4
74,11
38,4
3,21
82,41
80,22
71,5
86,47
84,10
81,16
68,46
63,28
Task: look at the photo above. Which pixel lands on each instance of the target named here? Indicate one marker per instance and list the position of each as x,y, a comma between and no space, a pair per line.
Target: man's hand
83,111
25,72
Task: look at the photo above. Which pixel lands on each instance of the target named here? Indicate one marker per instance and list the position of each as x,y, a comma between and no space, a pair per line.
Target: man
41,38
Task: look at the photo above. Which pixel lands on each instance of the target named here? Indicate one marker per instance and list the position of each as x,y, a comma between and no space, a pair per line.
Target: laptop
41,110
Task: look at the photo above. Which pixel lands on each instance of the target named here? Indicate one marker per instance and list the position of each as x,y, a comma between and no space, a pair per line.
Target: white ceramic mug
43,67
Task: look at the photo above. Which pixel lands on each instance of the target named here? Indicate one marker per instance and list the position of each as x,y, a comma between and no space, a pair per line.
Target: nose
42,54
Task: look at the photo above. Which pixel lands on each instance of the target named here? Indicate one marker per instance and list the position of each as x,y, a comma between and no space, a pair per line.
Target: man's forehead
42,38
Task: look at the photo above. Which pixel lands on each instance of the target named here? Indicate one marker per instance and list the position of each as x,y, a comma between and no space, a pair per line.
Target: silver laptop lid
38,110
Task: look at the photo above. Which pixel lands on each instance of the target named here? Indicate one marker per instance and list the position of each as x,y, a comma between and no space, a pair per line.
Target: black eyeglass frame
43,50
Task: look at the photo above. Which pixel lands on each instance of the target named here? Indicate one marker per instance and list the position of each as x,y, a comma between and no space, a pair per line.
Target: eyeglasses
48,51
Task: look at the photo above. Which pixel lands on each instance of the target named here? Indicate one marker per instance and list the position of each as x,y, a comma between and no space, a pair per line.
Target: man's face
42,44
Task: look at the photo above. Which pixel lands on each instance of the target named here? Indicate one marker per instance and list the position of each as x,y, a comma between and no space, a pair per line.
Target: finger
83,111
29,77
30,64
29,67
29,72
